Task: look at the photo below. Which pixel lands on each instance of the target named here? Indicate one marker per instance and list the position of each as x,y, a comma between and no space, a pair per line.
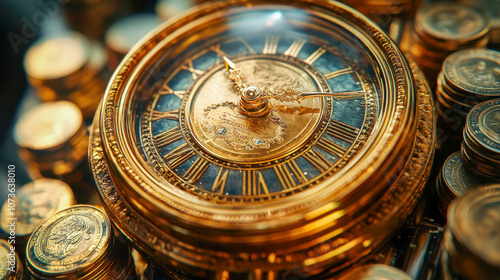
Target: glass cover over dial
191,127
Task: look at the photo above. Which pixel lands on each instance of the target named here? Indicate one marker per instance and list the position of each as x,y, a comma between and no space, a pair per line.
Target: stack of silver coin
455,180
481,143
467,78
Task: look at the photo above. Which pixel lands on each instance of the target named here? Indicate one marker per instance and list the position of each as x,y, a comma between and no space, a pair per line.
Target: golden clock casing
262,214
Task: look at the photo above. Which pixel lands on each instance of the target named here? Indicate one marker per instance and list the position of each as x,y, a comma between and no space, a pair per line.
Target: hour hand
291,95
235,75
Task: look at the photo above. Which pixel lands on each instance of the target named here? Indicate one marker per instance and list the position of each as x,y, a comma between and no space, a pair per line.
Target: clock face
210,155
192,132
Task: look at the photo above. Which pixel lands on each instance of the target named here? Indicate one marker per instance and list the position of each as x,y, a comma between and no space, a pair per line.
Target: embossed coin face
376,272
69,241
57,57
451,21
483,124
48,125
491,123
458,179
35,202
4,258
474,70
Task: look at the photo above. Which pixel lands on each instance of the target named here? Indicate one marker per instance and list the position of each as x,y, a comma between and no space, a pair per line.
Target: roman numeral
168,137
220,181
330,147
253,183
342,131
170,115
271,44
315,55
178,156
217,50
317,160
337,73
284,172
250,49
196,170
295,48
165,89
189,67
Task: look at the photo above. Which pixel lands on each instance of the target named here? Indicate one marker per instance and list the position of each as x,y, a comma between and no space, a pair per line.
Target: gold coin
376,272
451,22
458,179
35,202
5,250
56,57
474,70
69,242
48,125
483,123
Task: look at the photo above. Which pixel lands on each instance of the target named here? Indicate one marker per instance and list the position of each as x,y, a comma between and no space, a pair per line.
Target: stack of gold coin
34,203
68,67
78,243
52,141
125,33
492,8
481,144
11,268
376,271
467,78
471,245
455,180
442,28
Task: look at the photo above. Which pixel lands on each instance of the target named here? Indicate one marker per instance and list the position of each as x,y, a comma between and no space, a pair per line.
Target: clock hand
235,75
290,94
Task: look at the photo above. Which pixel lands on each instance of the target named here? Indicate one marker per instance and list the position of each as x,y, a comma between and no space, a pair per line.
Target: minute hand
290,94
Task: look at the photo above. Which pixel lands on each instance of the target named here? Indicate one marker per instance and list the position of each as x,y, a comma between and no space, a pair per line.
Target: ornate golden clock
262,139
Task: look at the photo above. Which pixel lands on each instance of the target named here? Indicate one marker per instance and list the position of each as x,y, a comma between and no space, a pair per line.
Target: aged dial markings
253,183
168,137
330,147
169,115
284,173
179,155
219,184
189,67
271,44
245,43
165,90
216,49
317,160
342,131
196,170
295,48
315,55
338,73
